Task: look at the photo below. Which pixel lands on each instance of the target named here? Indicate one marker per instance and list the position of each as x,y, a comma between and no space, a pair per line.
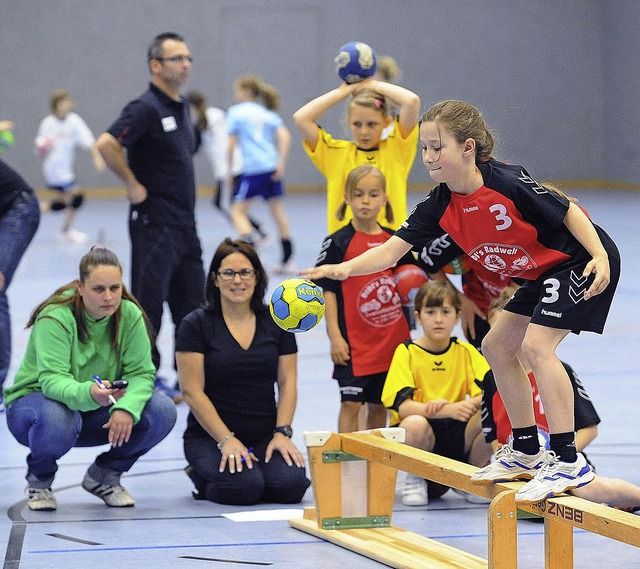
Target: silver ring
232,456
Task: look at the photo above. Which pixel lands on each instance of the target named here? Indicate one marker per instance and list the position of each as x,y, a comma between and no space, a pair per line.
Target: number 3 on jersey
504,221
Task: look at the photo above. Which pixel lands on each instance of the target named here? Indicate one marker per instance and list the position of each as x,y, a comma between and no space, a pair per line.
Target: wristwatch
285,430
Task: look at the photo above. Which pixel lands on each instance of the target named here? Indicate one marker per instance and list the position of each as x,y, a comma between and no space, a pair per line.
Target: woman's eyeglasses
229,275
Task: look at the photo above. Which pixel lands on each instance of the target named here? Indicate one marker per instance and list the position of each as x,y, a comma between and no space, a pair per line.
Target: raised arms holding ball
377,138
307,116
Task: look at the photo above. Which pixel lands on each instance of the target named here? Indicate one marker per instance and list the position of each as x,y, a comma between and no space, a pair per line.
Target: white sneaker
555,477
415,492
510,465
74,236
41,499
115,496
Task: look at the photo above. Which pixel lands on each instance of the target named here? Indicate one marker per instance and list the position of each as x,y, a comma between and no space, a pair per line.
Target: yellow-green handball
6,139
297,305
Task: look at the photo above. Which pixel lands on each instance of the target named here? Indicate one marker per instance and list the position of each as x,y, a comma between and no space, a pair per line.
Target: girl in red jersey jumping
509,223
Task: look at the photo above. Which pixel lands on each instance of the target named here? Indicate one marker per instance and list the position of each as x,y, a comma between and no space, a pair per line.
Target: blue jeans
18,225
50,429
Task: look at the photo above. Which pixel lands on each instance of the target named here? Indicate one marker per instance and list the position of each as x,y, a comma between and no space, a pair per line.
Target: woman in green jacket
85,336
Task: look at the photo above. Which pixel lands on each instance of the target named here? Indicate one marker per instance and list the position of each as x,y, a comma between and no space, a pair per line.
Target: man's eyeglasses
176,58
244,274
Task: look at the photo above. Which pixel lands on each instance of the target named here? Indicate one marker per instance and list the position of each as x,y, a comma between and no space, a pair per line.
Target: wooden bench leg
558,544
503,532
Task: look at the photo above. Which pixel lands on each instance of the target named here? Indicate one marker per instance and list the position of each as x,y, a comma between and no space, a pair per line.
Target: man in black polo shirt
157,171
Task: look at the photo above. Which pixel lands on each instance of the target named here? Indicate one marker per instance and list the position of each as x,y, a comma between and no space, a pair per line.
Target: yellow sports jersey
450,375
393,157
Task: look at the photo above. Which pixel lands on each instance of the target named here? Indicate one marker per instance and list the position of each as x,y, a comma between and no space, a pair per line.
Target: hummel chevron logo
535,186
578,279
577,294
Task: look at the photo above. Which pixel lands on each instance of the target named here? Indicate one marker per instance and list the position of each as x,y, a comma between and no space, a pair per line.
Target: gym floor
167,528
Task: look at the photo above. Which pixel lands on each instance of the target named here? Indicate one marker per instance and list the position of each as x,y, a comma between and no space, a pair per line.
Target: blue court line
539,532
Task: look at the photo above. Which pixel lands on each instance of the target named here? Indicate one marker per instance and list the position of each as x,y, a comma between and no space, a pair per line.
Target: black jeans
272,482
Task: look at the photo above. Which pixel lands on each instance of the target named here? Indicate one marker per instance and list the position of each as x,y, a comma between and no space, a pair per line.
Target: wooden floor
167,528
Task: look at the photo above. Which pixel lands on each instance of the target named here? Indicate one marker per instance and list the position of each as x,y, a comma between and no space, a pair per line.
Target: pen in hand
97,379
249,450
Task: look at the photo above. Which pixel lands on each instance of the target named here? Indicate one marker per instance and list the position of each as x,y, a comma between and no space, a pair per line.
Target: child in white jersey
58,136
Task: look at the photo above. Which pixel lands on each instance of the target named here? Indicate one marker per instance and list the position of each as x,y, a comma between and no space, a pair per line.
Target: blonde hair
388,68
260,90
369,100
351,184
463,121
57,97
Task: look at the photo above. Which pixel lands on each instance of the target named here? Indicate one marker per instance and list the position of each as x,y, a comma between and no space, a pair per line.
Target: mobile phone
119,384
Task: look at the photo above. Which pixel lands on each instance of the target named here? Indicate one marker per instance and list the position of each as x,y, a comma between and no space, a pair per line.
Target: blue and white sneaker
555,478
510,465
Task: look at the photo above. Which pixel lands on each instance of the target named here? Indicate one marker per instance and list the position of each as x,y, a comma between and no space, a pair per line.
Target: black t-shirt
160,140
11,186
239,382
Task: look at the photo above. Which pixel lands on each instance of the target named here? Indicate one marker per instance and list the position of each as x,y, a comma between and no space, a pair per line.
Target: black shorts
449,435
556,298
365,388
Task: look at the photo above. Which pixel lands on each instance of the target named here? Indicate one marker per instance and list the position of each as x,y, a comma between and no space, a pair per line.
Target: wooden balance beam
354,478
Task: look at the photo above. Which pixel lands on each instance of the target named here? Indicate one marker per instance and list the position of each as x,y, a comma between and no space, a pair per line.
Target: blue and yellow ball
297,305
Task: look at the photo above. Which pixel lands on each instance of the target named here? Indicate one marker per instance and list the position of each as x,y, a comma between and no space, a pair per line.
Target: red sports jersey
369,308
511,225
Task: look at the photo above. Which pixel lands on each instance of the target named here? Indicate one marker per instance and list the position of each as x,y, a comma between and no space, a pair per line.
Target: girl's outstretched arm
371,261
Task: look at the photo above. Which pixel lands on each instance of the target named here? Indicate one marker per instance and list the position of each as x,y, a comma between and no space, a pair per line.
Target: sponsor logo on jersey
379,303
509,260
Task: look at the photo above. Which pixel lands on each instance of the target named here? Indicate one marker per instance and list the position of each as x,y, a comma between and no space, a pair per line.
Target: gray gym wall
557,80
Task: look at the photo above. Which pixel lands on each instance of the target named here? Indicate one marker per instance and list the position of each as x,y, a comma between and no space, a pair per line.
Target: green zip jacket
62,367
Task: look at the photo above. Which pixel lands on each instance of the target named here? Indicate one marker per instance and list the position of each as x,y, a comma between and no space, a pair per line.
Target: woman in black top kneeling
230,355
